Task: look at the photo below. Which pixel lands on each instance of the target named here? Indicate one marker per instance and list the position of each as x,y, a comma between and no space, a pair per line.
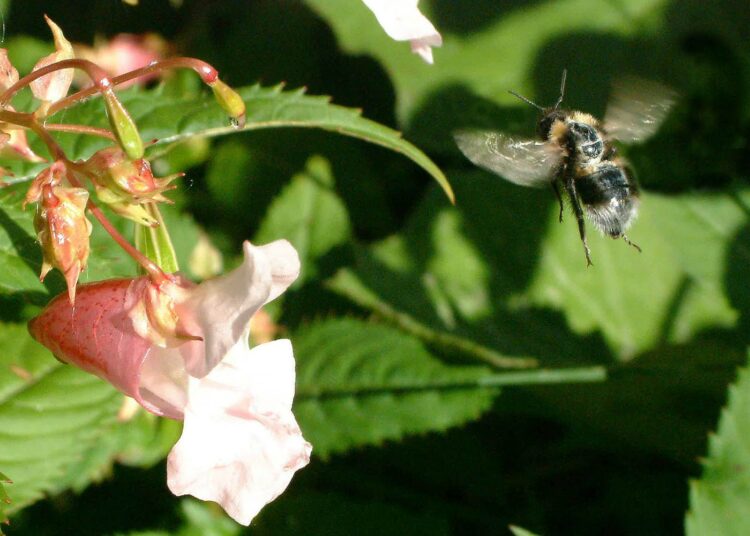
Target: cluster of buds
119,175
125,185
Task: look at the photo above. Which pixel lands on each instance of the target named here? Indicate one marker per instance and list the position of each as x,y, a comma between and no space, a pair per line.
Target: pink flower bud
124,184
13,143
240,444
51,176
63,231
54,86
111,168
8,73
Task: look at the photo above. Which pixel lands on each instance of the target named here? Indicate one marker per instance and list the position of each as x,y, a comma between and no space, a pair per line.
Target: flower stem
29,121
206,71
433,337
82,129
97,74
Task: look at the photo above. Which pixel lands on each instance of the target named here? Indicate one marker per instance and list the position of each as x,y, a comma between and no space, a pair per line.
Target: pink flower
241,443
402,21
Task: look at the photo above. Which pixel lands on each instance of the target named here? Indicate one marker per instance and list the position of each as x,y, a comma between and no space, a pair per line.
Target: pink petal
240,445
220,309
54,86
402,21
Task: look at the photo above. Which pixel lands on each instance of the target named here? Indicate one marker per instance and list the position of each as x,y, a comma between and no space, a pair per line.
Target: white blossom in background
402,21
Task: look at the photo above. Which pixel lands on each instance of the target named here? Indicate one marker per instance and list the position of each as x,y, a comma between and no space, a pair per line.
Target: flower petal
402,21
54,86
240,445
219,310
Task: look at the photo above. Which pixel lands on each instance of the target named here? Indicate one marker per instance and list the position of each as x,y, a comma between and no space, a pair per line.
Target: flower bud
14,145
51,176
54,86
124,184
63,231
123,126
230,101
8,73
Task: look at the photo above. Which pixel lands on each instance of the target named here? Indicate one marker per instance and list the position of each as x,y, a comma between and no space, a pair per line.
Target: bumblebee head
549,115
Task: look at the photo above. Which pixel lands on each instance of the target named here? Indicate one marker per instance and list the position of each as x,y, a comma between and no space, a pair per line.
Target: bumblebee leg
570,187
627,241
556,188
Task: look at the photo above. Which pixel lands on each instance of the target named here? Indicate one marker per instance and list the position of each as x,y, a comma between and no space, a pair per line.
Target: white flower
242,414
241,443
402,21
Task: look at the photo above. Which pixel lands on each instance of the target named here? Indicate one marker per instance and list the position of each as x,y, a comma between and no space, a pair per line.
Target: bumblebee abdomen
610,197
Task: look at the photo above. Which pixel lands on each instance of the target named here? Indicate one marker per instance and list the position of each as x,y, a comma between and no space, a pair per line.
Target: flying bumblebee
576,154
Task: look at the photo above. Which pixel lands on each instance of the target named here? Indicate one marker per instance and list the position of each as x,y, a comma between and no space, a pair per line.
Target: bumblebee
575,153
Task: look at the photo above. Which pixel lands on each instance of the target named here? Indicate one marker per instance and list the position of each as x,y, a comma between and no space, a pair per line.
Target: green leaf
720,500
360,384
479,59
687,246
310,215
499,266
49,415
4,500
169,119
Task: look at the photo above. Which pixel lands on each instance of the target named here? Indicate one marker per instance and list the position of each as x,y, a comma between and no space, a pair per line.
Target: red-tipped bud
51,176
63,231
230,101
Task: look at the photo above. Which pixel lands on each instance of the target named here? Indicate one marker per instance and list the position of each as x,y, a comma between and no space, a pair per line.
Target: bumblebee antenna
527,101
562,89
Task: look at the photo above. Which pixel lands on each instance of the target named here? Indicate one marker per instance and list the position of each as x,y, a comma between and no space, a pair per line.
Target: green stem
568,375
437,338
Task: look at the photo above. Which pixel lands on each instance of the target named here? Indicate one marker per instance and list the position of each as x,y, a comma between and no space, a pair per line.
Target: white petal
240,445
219,309
402,21
285,266
164,382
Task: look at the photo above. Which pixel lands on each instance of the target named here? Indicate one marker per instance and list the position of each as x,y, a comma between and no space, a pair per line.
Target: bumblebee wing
637,109
524,162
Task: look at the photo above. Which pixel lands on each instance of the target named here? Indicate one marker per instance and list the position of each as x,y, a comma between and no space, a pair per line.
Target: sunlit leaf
310,215
360,384
720,499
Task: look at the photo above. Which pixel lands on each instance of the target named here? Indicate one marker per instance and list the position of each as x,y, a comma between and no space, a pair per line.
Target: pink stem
81,129
206,71
97,74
